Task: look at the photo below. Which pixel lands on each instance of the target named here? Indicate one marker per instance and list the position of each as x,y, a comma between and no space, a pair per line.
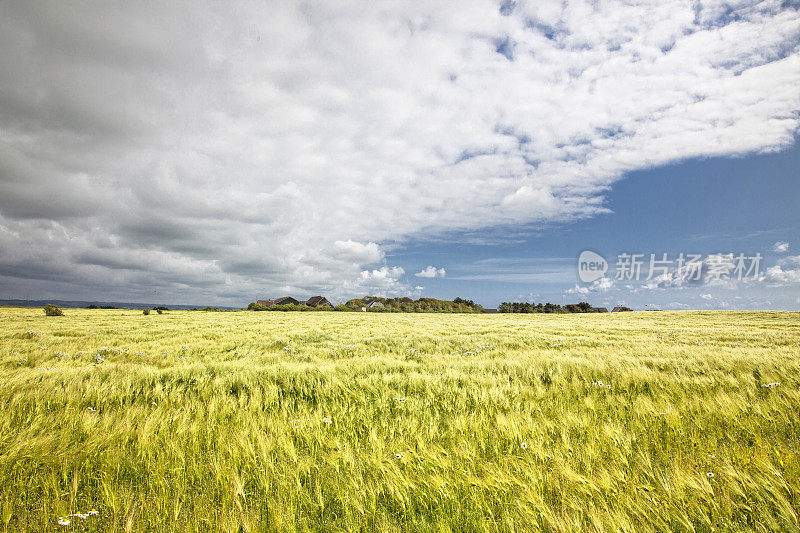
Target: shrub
160,308
159,311
146,312
53,310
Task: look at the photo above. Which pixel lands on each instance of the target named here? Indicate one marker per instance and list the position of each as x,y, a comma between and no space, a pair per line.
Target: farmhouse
317,301
286,300
620,309
314,301
371,303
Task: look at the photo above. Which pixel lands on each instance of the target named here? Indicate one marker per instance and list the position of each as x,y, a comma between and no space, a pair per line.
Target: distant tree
53,310
146,312
356,303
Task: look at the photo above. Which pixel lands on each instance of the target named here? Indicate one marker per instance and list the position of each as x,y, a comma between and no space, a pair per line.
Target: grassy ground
245,421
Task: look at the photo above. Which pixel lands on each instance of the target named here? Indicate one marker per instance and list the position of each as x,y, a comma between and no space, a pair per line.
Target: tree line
387,305
526,307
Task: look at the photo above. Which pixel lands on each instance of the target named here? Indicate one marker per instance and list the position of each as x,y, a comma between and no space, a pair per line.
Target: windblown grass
382,422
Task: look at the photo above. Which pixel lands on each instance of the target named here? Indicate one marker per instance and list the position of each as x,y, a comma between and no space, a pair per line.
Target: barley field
191,421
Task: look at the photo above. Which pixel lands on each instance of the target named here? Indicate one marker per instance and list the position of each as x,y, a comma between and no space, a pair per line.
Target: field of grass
243,421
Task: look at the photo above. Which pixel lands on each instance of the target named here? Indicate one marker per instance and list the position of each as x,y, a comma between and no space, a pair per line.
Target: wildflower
327,421
524,445
93,512
92,409
710,474
63,521
599,383
399,455
712,456
153,403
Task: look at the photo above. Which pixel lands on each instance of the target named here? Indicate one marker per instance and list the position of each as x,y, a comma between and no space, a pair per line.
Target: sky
217,153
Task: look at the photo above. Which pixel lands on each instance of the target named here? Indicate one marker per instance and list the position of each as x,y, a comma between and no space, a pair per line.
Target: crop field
242,421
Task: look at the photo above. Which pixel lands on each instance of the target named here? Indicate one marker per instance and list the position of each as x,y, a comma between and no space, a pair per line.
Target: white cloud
359,253
200,149
383,273
780,247
785,272
578,289
431,272
706,297
677,305
601,285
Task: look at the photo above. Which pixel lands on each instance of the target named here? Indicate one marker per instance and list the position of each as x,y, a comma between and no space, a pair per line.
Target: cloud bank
233,151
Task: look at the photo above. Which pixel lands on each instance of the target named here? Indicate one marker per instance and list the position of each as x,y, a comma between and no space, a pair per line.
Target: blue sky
705,206
203,152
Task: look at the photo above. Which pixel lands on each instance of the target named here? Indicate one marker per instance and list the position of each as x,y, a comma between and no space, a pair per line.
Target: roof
316,301
284,300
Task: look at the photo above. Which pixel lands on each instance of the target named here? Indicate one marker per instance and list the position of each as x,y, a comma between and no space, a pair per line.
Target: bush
160,308
146,312
159,311
53,310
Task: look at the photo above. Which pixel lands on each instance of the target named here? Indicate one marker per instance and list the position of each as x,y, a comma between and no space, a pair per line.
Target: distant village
420,305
